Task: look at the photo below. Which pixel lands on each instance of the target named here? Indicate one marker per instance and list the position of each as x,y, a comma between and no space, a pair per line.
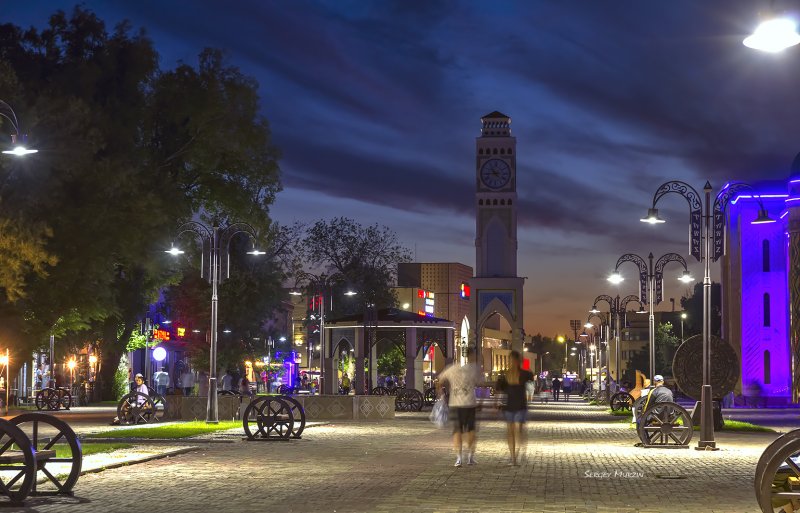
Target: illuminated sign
161,334
420,293
181,332
464,291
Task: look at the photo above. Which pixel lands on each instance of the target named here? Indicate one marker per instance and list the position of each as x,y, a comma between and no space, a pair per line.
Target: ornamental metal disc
687,367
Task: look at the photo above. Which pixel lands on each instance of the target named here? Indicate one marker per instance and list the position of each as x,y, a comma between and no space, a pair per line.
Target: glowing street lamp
17,139
773,35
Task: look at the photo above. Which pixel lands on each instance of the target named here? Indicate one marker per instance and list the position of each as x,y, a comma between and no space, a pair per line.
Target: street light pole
701,234
215,237
617,308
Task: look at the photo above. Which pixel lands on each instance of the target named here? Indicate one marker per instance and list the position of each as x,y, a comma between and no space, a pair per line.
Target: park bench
274,418
22,456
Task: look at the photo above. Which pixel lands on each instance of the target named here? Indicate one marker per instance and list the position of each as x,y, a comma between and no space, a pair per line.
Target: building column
794,281
452,349
411,358
359,378
373,366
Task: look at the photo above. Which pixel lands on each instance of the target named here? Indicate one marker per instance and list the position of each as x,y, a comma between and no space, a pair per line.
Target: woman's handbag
440,413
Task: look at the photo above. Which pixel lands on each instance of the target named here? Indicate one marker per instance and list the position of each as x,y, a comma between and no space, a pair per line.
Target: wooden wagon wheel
769,452
275,418
135,408
17,463
665,424
379,391
64,398
430,396
30,424
621,401
47,398
778,483
414,399
249,419
299,416
225,392
400,402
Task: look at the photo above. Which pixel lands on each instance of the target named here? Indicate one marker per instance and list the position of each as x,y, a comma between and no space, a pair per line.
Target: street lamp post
683,318
17,139
651,288
700,245
617,308
214,237
597,343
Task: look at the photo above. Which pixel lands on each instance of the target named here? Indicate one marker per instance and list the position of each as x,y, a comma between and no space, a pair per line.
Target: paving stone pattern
579,459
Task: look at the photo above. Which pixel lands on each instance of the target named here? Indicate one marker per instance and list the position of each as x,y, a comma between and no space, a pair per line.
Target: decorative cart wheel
299,415
64,398
47,398
777,478
409,399
430,396
638,405
225,392
33,424
136,407
621,401
267,418
380,391
17,463
665,424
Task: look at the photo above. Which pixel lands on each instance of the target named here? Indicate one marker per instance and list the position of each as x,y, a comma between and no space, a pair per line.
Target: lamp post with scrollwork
212,238
617,308
701,236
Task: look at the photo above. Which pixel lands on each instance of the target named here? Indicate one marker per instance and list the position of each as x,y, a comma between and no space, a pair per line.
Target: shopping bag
439,413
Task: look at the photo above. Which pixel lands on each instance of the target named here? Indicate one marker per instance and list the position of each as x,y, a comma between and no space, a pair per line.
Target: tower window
767,370
766,309
765,255
480,151
480,202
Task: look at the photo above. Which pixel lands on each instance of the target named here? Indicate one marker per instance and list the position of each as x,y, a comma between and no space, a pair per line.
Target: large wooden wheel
621,401
267,418
665,424
48,399
17,463
408,399
430,396
137,408
32,424
299,415
379,391
777,478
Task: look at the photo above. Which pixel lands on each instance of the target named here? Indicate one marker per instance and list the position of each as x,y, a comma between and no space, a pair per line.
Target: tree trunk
111,353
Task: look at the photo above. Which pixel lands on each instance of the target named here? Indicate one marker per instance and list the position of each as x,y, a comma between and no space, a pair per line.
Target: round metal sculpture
137,408
268,418
408,399
17,463
665,424
687,367
33,425
621,401
777,478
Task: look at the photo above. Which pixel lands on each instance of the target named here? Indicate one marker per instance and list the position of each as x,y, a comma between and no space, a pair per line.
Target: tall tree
693,305
127,152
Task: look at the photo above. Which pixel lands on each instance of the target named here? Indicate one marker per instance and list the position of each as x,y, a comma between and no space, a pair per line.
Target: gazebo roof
389,315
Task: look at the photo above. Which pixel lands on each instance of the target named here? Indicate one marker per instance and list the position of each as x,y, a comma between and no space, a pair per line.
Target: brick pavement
578,460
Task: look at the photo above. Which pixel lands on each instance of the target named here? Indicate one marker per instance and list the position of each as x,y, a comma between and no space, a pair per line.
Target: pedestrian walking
345,384
461,382
227,381
556,388
162,382
515,411
187,382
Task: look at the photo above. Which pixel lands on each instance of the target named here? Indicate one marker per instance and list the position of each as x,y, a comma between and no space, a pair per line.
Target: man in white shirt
461,382
227,382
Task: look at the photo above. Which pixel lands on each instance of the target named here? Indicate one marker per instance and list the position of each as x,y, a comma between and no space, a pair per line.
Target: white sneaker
458,462
471,460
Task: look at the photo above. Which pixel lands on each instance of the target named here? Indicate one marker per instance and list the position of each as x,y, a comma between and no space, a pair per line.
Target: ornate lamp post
700,245
598,343
617,308
212,238
651,287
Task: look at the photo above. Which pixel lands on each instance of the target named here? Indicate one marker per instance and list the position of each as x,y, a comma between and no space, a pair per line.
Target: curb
154,441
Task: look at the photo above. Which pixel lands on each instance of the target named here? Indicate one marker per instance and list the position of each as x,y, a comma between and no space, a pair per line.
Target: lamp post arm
643,271
695,211
659,272
7,112
720,205
228,234
203,233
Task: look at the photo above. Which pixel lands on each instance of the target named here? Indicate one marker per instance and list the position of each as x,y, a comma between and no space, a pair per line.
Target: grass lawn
62,450
177,430
622,413
737,425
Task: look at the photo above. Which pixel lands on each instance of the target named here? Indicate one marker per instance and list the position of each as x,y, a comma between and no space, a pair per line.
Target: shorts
516,416
463,419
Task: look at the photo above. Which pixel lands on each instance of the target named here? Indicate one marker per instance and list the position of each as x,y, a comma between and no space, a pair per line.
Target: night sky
376,104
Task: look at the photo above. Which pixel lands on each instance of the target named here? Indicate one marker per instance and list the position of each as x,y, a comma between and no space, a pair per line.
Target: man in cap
660,394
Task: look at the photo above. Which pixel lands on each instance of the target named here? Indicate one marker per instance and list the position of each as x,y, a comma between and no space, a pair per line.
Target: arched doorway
344,360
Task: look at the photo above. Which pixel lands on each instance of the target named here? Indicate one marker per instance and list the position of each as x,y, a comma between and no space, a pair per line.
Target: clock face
495,173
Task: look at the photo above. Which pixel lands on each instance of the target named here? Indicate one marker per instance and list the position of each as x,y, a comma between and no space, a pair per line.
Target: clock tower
497,290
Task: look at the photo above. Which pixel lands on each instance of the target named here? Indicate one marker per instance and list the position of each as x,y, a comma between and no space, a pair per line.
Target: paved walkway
579,459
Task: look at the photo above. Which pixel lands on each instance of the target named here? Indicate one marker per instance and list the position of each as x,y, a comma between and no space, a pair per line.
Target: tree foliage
693,306
128,151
